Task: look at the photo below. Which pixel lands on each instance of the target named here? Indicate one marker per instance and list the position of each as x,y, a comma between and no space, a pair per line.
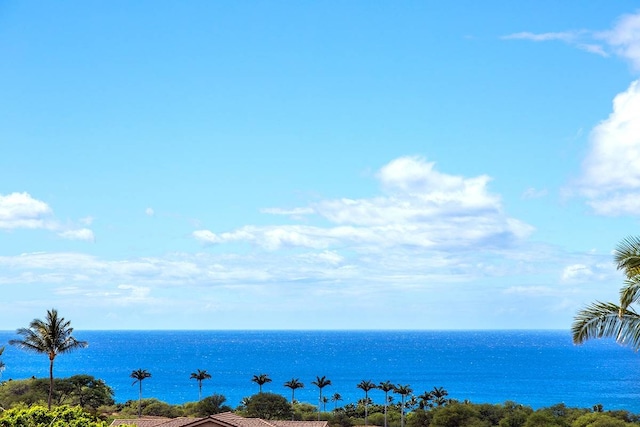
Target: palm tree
366,386
200,375
261,380
334,399
139,376
325,400
404,391
610,320
386,387
425,399
320,382
52,336
2,365
439,394
294,384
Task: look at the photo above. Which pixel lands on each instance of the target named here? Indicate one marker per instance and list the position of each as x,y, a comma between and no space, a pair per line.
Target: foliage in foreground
268,406
40,416
79,390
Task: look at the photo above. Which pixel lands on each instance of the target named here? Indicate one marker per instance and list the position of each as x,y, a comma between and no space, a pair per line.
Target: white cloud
149,212
20,210
422,208
80,234
610,178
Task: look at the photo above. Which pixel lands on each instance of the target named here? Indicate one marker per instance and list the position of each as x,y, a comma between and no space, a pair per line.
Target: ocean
535,368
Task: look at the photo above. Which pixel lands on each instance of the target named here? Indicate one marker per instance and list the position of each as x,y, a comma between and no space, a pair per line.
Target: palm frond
627,256
607,320
630,292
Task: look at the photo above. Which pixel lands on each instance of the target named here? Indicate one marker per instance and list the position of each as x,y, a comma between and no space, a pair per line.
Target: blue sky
316,165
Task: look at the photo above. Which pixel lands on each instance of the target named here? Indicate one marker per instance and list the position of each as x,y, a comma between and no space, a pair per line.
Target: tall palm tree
334,399
366,386
294,384
2,365
321,382
261,380
139,375
200,375
386,386
619,321
404,391
52,336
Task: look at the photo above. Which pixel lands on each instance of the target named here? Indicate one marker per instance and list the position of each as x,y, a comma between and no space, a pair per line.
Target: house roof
225,419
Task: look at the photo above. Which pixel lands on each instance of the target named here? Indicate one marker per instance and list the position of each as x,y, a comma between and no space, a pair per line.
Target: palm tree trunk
140,400
199,390
293,394
366,407
50,381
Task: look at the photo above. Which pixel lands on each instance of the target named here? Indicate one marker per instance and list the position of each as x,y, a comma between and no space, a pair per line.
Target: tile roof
226,419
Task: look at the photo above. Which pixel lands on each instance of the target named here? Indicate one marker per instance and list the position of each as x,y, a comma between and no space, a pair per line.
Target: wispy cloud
565,36
534,193
623,40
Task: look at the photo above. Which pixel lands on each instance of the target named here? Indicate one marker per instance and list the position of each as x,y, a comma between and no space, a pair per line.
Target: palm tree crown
52,336
200,375
261,380
619,321
293,384
438,394
139,375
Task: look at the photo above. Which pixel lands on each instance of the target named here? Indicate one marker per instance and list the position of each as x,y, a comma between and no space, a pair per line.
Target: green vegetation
52,336
268,406
82,400
41,416
80,390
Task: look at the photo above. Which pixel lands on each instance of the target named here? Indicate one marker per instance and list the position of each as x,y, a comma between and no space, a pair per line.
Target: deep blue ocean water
536,368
